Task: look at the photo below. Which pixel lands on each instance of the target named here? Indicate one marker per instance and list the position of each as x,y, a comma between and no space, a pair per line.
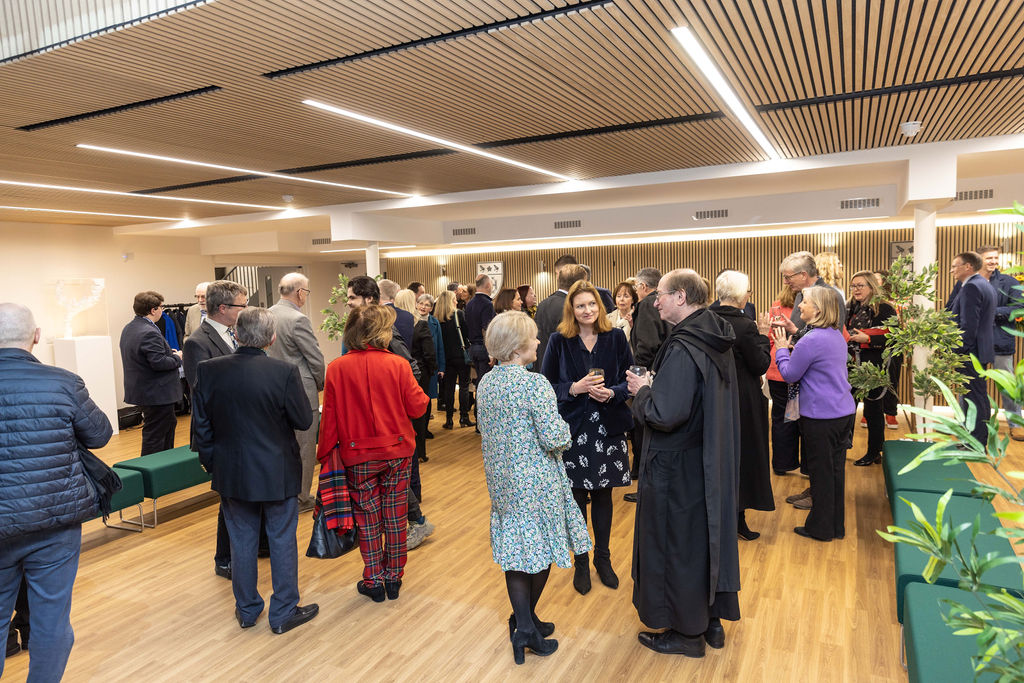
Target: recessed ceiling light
94,213
722,87
236,169
432,138
136,194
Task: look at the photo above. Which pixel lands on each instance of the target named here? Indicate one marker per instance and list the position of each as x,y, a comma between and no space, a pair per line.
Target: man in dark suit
975,311
405,323
246,409
549,311
479,313
646,336
606,296
215,338
151,368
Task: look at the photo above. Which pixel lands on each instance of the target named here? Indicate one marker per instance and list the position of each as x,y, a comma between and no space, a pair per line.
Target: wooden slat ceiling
585,88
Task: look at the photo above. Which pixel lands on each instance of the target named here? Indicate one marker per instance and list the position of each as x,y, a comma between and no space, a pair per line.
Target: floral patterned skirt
596,459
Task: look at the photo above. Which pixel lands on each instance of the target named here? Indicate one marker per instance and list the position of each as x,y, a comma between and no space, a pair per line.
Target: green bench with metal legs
132,493
167,472
932,476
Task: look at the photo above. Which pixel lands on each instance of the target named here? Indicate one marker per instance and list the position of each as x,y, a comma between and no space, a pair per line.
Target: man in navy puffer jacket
46,415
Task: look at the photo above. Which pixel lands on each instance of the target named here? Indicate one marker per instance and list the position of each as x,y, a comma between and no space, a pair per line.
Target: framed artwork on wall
496,269
898,249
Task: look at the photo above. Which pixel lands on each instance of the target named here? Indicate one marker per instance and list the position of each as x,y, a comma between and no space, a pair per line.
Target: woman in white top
625,302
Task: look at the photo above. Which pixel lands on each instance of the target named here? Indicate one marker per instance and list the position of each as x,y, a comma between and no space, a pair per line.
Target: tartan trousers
378,490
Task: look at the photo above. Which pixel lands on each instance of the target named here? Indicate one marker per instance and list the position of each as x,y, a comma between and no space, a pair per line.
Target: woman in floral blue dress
534,519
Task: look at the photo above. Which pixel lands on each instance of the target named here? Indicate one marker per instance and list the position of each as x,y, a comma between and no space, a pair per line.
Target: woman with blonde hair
586,362
830,268
456,358
534,521
422,350
817,363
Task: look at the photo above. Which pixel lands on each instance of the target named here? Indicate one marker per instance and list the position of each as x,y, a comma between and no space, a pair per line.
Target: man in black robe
686,571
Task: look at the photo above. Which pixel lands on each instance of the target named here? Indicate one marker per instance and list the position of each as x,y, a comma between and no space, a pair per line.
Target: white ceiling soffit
32,26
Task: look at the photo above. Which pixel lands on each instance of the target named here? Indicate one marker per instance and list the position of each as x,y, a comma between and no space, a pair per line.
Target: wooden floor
149,607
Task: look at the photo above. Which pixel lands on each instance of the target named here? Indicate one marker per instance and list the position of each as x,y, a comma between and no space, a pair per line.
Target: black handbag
327,544
462,340
104,480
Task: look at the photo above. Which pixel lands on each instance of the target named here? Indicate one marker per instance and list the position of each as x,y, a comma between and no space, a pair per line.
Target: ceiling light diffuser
431,138
697,53
93,213
142,196
235,169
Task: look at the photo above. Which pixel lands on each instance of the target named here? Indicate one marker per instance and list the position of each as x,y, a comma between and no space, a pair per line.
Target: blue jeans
49,562
243,521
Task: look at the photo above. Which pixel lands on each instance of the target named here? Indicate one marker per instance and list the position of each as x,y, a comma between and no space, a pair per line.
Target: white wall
34,256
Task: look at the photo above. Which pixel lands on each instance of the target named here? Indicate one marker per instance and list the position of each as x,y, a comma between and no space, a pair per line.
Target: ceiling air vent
565,225
710,213
318,241
861,203
463,231
971,195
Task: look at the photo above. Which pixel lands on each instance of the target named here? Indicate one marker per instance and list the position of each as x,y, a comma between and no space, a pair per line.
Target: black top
479,313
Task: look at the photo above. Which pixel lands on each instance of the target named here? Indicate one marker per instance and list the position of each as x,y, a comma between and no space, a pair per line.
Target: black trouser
158,425
785,435
873,407
826,466
457,371
977,393
636,438
419,425
482,363
890,402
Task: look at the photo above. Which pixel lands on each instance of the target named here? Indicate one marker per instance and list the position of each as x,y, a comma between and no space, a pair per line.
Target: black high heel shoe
546,628
533,640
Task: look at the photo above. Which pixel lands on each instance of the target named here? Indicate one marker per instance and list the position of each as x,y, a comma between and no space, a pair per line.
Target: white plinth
91,359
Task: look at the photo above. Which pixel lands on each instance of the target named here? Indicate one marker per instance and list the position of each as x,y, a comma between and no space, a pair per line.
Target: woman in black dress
586,362
866,314
751,350
453,335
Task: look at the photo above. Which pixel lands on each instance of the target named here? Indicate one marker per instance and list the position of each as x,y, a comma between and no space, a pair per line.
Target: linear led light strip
341,251
91,213
235,169
143,196
430,138
725,92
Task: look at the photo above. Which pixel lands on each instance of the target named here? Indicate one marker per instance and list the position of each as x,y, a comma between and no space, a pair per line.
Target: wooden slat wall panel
758,257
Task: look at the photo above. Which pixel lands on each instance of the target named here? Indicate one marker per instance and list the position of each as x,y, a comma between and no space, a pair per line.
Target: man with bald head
297,344
46,419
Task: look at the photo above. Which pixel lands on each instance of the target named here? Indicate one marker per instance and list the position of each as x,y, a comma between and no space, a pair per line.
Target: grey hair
731,285
17,326
221,292
425,297
202,286
800,262
388,288
649,276
255,327
291,282
507,333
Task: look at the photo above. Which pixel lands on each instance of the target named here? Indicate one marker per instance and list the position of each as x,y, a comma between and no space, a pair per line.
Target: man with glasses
151,373
297,344
800,272
974,309
196,313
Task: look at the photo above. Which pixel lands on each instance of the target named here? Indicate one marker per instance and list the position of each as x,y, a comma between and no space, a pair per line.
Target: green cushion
929,476
934,654
958,509
131,493
168,471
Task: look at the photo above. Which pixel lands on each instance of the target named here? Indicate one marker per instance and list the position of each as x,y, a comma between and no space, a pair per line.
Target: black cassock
685,556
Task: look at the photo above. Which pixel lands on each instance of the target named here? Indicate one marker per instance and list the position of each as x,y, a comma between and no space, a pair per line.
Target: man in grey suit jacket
196,313
297,344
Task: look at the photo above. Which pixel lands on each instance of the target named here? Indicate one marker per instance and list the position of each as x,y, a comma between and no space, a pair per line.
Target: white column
373,259
925,249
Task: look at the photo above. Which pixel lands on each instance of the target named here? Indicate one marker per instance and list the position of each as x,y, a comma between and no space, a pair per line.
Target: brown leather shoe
803,503
806,493
1017,433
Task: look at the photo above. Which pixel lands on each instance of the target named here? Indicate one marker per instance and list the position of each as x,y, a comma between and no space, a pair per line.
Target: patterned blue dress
534,519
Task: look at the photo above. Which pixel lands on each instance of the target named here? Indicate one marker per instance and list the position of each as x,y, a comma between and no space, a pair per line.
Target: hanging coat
685,556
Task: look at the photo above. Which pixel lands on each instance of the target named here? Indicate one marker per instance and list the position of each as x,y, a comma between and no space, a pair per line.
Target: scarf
332,494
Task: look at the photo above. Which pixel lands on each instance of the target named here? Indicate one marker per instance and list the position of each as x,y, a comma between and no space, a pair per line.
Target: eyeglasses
236,305
671,291
787,278
303,289
861,286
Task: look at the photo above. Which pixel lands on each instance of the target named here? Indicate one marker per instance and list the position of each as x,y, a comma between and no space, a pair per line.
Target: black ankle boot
581,580
466,422
448,424
743,531
603,565
546,628
534,641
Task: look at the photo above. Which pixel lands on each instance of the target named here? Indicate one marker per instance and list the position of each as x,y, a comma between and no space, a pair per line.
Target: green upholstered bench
910,561
167,472
934,654
932,476
132,493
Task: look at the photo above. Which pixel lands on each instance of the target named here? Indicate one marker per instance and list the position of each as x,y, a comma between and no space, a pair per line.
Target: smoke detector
910,128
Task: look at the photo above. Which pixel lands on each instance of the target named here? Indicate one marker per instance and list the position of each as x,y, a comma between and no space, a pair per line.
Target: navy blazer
975,311
245,409
567,360
1008,300
547,317
405,322
150,366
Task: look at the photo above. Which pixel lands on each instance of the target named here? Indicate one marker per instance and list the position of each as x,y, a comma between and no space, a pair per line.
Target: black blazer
245,409
568,360
150,366
549,314
648,332
203,344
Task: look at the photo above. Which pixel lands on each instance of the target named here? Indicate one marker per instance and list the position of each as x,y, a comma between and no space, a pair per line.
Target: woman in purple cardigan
817,362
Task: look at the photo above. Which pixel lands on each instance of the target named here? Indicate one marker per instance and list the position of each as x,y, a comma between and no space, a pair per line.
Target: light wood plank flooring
149,607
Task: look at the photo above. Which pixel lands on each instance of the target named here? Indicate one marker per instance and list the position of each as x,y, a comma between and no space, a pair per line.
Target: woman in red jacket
370,397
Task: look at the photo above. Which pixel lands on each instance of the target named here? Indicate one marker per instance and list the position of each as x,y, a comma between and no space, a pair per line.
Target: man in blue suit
974,309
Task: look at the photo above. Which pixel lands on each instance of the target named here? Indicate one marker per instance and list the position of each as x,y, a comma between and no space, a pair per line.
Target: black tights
523,592
600,516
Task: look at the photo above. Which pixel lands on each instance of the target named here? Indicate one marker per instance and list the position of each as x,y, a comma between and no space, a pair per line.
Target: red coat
370,399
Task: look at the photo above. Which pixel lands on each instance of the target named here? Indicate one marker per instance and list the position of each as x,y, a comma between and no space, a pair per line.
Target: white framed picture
495,269
898,249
